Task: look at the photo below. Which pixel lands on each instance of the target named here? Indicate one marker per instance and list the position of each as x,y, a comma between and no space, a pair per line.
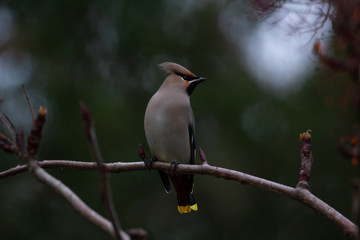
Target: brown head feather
174,68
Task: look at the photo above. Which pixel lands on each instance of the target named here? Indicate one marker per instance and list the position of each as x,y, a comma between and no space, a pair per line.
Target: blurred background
265,86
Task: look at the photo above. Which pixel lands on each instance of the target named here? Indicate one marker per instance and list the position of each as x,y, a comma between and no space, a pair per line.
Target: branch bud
202,157
34,138
142,153
306,160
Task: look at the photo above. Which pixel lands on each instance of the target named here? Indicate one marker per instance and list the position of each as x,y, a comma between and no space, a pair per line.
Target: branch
300,194
106,194
41,175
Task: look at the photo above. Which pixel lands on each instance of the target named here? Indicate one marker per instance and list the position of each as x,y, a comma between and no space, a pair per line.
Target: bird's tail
187,206
183,185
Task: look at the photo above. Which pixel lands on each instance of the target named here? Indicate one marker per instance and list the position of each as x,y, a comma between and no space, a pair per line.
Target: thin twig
300,194
28,102
5,139
9,125
106,194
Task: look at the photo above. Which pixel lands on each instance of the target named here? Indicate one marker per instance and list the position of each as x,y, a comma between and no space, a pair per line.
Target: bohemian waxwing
170,128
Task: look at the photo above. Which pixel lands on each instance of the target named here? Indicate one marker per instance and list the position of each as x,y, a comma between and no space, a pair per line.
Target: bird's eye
186,78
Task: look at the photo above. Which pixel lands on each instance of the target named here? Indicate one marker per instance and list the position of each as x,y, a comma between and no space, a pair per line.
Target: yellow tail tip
194,207
187,208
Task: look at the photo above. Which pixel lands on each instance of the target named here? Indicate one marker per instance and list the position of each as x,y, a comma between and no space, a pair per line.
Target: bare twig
109,167
8,147
106,194
9,125
5,139
28,102
300,194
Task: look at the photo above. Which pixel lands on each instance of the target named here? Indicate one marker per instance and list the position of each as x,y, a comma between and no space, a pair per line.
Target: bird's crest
174,68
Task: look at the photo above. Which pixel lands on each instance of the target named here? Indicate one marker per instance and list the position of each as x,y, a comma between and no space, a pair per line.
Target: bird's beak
193,83
198,80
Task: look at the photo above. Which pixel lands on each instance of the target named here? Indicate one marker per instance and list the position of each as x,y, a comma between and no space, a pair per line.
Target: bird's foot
175,164
149,162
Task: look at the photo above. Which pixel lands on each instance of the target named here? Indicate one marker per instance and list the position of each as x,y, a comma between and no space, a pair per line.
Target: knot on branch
36,132
306,160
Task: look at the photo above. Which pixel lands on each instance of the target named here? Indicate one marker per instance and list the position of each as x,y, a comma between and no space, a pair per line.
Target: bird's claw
175,166
149,162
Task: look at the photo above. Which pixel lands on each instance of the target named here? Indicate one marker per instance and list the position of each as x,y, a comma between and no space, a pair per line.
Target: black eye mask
185,77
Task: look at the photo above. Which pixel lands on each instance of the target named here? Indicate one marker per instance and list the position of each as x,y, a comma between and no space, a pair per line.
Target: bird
170,130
